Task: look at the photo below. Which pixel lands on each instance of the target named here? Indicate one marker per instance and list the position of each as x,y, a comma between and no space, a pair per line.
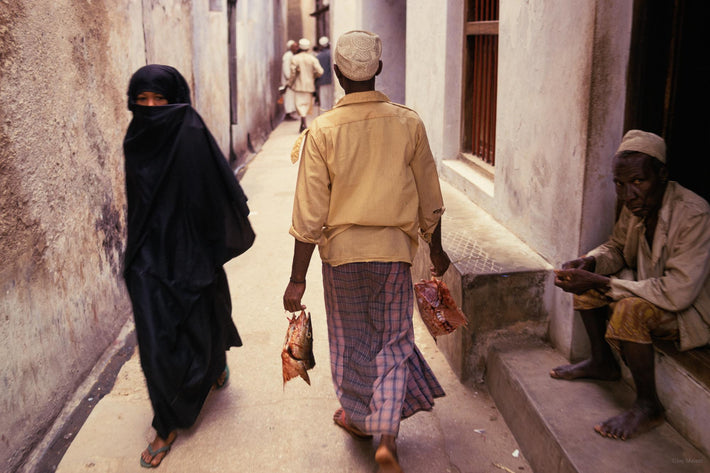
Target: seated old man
648,281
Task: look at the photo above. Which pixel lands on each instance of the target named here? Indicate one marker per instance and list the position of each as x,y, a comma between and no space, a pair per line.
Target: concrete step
496,279
683,384
553,420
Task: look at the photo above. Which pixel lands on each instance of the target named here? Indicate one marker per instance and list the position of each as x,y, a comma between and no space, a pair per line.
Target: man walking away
305,69
367,190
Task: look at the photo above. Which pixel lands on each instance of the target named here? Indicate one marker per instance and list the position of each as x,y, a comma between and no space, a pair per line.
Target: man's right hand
578,281
293,295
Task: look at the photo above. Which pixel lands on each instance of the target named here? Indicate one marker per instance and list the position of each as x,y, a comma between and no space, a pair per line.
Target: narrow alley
255,424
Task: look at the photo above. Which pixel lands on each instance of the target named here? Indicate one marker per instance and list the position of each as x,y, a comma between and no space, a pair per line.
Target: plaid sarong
380,376
632,319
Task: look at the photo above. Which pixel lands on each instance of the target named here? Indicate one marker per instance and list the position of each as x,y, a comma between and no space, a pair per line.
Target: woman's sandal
341,420
217,384
153,454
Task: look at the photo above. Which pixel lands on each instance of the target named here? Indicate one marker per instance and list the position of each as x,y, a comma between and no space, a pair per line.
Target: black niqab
187,216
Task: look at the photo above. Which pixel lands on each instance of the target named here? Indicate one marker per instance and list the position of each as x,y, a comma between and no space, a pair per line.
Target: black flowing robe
184,204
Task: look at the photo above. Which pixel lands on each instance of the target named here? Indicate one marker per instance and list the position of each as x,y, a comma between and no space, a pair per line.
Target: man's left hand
440,262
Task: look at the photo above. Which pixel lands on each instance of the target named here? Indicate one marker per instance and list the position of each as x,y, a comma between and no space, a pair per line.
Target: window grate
482,77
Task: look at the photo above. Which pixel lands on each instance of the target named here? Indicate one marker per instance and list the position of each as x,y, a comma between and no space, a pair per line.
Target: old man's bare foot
587,369
641,418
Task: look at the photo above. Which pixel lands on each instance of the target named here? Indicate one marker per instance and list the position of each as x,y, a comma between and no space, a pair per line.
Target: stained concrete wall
560,107
434,75
64,70
387,18
561,88
261,42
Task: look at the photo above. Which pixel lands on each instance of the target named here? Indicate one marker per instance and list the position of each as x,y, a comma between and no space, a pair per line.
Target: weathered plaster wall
560,106
260,46
345,15
434,76
210,67
388,20
308,22
64,71
562,76
63,116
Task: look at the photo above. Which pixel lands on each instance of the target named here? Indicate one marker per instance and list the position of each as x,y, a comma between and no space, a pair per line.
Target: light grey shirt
673,274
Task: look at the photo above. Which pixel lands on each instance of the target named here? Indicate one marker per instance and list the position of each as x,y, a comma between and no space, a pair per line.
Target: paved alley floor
256,424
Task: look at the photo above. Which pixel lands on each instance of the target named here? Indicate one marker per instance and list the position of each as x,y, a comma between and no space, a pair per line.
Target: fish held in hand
297,354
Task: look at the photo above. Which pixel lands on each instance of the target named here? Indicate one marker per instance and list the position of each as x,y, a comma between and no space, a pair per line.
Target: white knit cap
323,41
357,54
304,44
290,43
644,142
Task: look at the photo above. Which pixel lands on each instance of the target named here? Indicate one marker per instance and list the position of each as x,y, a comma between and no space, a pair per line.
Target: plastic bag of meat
437,308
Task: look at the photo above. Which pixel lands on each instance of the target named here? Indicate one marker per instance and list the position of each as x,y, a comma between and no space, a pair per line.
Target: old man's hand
578,281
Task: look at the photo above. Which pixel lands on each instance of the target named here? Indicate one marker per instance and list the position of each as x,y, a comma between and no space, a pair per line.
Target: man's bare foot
386,456
587,369
637,420
157,449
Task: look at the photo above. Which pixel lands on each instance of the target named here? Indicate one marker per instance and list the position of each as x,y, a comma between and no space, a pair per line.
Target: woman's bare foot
157,449
587,369
386,455
641,418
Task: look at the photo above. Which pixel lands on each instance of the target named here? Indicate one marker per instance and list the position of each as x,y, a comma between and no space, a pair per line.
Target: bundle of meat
437,308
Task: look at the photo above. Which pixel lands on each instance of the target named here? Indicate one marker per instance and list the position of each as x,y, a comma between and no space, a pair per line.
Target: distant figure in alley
288,97
649,281
324,84
305,69
187,216
367,190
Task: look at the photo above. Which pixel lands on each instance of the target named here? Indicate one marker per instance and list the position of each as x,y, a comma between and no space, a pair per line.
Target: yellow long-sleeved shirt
367,182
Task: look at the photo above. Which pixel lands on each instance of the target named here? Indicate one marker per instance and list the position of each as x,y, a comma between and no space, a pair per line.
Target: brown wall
64,70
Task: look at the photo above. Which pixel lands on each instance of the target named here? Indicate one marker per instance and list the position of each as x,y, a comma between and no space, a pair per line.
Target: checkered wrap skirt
380,376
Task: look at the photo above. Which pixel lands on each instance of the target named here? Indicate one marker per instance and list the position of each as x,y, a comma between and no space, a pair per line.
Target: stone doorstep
553,420
500,283
682,381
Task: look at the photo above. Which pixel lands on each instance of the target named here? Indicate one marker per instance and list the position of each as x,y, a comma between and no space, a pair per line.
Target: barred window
480,79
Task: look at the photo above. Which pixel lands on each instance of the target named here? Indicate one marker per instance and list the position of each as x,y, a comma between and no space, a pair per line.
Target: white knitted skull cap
304,44
644,142
357,54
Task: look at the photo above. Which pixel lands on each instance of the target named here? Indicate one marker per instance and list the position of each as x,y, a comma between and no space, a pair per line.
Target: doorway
668,87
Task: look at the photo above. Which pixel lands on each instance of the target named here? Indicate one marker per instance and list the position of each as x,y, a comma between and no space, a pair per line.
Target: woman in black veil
187,216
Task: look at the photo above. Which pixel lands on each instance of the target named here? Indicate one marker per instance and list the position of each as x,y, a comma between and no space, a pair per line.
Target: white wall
386,18
434,77
560,107
259,49
561,83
